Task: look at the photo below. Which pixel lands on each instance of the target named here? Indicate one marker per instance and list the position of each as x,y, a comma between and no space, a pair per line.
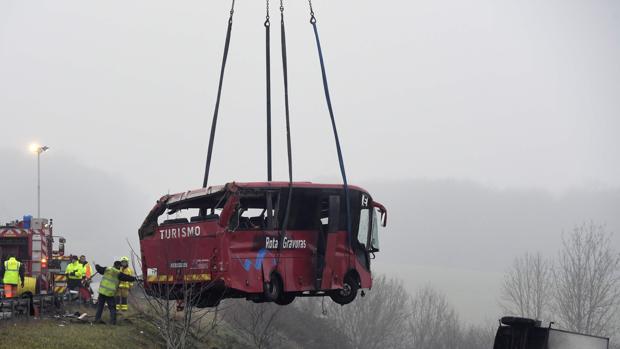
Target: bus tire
347,294
285,299
273,289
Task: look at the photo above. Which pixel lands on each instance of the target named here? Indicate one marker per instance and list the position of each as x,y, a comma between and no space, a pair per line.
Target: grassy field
48,334
131,332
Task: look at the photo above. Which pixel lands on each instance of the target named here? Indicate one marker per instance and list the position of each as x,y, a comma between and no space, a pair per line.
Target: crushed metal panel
188,195
567,340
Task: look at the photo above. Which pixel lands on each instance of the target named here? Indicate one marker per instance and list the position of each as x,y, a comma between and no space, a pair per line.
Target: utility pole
35,148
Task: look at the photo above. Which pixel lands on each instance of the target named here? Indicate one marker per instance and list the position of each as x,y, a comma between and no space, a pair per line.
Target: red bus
229,242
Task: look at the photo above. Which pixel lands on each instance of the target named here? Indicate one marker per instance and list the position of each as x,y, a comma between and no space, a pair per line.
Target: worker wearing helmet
74,273
107,289
124,286
11,272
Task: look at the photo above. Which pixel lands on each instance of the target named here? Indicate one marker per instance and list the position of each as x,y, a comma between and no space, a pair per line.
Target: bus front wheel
347,294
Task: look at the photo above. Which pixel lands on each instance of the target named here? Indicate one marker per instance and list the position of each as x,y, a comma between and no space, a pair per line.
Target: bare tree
526,291
170,305
587,284
433,322
256,323
374,321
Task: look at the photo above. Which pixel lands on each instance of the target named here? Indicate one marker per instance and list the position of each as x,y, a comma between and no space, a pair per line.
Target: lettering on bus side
286,243
179,233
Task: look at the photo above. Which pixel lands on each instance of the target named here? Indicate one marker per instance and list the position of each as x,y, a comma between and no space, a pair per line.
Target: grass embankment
44,333
132,331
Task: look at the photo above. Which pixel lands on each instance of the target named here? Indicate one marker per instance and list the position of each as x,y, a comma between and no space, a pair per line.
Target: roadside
131,332
134,329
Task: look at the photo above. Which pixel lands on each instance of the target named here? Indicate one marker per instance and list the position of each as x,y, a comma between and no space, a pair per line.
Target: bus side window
255,211
273,201
304,213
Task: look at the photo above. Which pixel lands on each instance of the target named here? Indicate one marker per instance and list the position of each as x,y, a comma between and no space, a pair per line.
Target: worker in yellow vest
107,289
11,272
124,286
74,273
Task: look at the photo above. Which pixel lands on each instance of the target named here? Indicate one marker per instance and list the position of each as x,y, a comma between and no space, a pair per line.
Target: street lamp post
35,148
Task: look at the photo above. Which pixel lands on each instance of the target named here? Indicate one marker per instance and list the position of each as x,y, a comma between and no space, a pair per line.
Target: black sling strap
219,95
286,104
331,114
268,66
288,124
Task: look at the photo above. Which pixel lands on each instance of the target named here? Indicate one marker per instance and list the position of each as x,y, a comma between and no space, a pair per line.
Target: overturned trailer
523,333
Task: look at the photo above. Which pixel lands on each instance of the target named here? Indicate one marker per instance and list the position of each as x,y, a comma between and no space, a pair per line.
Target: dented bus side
233,240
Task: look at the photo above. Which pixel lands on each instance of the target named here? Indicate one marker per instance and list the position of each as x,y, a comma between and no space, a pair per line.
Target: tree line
387,317
578,289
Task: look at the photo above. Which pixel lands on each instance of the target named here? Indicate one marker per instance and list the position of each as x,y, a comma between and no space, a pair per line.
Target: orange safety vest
88,272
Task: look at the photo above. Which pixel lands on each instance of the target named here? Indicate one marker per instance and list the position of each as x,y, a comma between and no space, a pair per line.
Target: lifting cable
268,66
219,94
331,114
286,104
288,124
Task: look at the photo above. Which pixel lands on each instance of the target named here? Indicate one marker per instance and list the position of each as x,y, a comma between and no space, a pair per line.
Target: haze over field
486,128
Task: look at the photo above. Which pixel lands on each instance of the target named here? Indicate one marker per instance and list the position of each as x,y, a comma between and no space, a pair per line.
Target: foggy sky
519,98
509,93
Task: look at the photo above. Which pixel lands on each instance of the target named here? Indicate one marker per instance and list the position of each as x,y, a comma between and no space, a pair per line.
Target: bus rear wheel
273,289
347,294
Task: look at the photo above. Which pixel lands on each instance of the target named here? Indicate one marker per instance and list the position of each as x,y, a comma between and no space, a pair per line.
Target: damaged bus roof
232,186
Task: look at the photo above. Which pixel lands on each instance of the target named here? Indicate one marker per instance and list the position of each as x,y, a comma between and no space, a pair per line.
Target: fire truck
31,241
266,242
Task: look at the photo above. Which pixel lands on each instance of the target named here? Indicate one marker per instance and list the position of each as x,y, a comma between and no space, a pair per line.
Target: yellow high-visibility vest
109,282
126,284
11,271
74,267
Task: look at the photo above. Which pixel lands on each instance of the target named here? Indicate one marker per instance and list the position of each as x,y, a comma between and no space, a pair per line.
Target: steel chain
267,16
232,12
312,18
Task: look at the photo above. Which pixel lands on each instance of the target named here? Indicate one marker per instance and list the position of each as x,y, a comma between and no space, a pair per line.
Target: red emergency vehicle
231,239
30,241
